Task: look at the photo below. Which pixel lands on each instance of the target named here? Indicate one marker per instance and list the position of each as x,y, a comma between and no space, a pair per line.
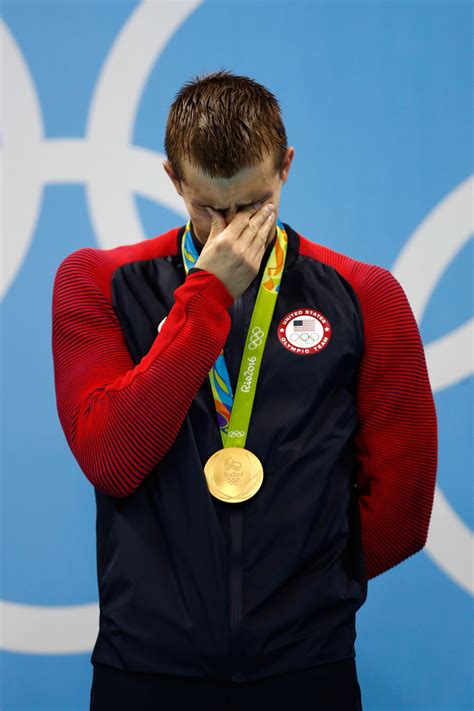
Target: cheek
200,214
202,223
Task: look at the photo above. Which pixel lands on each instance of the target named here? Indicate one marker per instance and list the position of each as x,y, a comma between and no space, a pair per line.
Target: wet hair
221,123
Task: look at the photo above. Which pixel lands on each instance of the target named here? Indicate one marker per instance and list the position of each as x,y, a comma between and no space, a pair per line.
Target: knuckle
252,227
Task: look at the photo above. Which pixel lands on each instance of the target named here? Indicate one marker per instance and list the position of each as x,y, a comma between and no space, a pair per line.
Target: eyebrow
224,209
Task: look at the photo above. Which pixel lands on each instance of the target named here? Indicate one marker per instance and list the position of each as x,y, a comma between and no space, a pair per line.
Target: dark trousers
332,686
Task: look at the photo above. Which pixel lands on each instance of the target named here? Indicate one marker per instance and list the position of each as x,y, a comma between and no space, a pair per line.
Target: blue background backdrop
376,99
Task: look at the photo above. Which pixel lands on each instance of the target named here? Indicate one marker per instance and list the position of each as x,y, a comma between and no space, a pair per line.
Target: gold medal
233,474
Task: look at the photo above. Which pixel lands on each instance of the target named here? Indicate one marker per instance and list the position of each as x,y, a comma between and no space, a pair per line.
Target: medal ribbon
233,414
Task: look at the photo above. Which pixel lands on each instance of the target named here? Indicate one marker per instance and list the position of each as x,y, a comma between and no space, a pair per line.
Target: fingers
247,223
260,239
258,228
217,221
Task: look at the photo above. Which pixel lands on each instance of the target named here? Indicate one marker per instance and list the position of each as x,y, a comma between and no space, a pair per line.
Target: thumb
218,224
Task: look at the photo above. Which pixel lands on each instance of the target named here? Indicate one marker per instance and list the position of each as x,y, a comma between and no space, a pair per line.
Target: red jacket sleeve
120,419
397,439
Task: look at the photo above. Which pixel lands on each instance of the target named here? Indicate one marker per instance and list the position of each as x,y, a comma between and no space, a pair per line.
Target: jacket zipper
236,533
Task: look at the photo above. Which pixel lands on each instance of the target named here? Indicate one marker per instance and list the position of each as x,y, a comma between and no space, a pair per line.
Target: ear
287,163
171,174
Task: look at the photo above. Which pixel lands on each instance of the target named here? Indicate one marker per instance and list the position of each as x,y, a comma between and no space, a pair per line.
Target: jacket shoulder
95,265
369,281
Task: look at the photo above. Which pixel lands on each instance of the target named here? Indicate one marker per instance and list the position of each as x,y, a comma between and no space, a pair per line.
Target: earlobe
287,164
168,170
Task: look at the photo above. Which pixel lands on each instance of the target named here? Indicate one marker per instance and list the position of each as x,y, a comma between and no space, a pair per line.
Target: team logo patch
304,331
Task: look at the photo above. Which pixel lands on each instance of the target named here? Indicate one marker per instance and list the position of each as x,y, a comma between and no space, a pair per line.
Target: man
254,412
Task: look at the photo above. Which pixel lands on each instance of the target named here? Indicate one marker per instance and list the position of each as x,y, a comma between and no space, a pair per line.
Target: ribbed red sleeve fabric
397,437
119,418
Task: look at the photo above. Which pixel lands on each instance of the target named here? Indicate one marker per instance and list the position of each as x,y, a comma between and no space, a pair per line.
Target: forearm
120,419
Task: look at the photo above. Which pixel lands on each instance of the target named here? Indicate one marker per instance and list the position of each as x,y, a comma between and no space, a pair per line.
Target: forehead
246,186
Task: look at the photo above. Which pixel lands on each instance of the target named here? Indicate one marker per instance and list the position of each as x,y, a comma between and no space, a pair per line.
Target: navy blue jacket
188,584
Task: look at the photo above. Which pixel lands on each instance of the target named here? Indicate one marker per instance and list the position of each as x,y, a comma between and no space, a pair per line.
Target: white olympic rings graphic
113,170
256,338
